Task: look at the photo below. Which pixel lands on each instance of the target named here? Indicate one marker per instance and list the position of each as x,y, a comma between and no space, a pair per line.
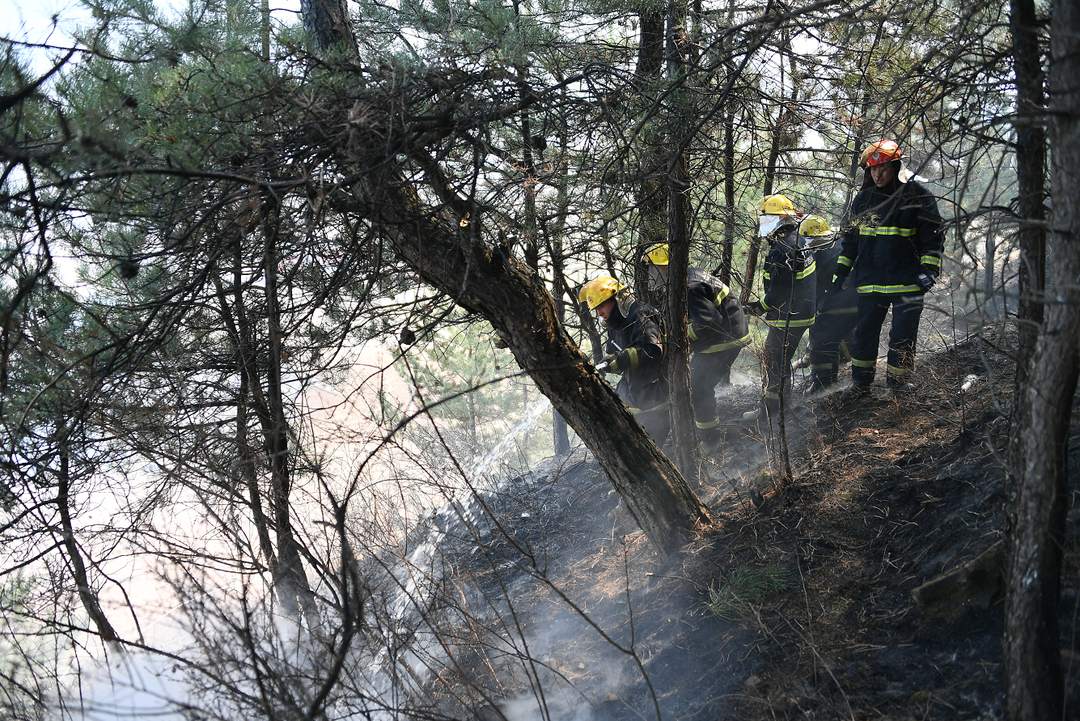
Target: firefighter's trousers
707,370
780,346
835,322
906,311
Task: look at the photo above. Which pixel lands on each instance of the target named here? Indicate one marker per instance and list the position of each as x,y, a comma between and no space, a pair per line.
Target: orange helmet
879,153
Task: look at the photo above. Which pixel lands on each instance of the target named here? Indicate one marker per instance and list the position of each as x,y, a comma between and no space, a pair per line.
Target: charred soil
890,536
865,586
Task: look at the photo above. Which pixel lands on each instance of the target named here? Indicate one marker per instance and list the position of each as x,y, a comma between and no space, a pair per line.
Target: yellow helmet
657,254
597,290
815,226
777,205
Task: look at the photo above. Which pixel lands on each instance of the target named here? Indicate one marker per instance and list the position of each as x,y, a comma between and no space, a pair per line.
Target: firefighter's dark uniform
788,308
718,331
895,234
837,310
635,337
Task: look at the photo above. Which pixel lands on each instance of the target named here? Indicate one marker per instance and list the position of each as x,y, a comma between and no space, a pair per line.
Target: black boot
899,387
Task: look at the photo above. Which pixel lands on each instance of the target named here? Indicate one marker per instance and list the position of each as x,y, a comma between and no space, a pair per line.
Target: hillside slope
798,605
889,495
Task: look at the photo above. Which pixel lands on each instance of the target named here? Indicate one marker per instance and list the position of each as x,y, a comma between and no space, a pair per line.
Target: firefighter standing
635,349
836,307
717,331
895,235
790,293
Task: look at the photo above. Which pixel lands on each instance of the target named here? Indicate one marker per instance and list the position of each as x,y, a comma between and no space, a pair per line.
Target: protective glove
754,309
925,281
609,363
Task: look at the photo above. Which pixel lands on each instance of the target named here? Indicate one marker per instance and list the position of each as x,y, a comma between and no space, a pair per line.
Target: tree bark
728,112
1031,191
87,595
771,161
326,23
677,347
247,368
1035,685
559,290
293,588
650,195
727,251
503,290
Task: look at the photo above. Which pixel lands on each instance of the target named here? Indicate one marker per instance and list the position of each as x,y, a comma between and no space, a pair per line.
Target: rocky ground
819,595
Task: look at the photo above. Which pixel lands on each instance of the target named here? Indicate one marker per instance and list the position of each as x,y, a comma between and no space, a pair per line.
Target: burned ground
799,604
888,496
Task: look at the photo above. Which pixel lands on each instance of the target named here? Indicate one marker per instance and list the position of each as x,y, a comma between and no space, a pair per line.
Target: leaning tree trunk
503,290
1035,685
497,286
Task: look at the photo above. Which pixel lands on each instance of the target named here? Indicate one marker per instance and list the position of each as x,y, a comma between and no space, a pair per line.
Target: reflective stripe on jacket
790,286
894,233
637,339
717,321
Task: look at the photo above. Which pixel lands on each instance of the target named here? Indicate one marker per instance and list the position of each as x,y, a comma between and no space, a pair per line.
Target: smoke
558,705
133,686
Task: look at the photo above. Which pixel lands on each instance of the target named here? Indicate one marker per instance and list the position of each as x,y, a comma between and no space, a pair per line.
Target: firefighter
790,292
836,307
717,332
635,350
894,241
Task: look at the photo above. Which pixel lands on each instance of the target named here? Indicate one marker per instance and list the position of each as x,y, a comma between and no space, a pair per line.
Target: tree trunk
326,23
87,595
677,347
528,185
1035,685
503,290
755,242
249,386
293,588
990,259
559,291
246,474
264,30
727,252
775,145
650,196
1030,170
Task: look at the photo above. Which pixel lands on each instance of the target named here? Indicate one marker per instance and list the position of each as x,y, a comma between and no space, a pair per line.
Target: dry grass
734,597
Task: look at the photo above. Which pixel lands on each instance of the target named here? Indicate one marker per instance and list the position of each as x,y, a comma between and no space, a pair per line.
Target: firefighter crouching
837,307
788,307
717,331
894,243
635,350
